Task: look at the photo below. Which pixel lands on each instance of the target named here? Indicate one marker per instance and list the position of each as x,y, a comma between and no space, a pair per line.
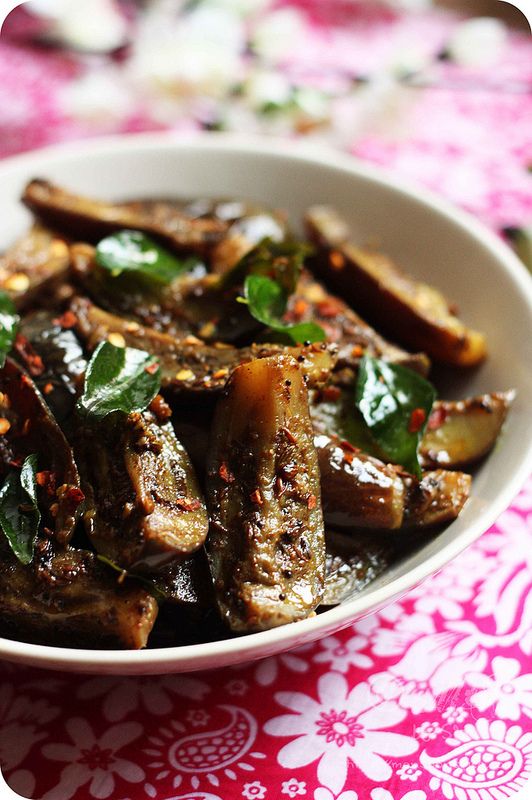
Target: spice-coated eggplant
35,264
90,220
460,433
185,583
266,543
358,491
188,365
436,499
144,507
414,313
68,598
344,327
47,347
351,563
28,427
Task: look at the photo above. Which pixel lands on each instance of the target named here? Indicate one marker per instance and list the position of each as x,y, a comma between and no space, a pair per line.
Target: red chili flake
329,308
47,388
185,504
66,320
289,435
16,463
74,497
256,497
32,361
4,425
160,408
331,393
357,351
300,308
345,445
349,458
47,480
151,369
311,501
417,418
437,418
336,260
225,473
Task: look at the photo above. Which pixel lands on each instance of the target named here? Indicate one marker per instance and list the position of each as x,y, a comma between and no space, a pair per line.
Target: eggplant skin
351,563
69,599
437,499
266,542
33,429
358,491
91,220
144,508
33,266
461,433
414,313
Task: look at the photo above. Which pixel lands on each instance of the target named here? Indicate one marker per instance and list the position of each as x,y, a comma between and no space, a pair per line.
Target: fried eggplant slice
35,264
144,507
438,498
185,583
188,365
28,427
91,220
461,433
358,491
47,347
414,313
69,599
344,327
351,563
266,542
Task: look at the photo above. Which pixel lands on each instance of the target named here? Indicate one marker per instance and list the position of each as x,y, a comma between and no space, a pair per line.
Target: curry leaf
395,403
9,320
119,379
150,583
19,512
134,252
280,261
267,302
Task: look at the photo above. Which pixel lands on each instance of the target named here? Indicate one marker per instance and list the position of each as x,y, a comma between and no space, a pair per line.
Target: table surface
432,696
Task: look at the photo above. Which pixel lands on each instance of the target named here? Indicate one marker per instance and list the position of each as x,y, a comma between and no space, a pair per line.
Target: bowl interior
431,240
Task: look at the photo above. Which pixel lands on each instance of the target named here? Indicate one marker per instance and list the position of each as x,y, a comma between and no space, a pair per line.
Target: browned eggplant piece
70,599
436,499
266,543
28,427
91,220
144,508
47,347
460,433
351,563
358,491
344,327
414,313
185,583
35,264
188,365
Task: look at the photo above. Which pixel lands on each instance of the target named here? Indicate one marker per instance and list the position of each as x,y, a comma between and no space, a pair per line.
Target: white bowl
435,241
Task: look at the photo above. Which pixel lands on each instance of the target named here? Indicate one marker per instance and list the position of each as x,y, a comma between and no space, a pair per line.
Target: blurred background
441,92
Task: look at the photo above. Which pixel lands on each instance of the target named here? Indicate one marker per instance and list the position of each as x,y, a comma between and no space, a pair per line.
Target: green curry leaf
19,512
266,301
282,262
395,403
133,252
119,379
9,320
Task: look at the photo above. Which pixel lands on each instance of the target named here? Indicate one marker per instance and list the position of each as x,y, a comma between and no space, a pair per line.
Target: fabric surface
432,696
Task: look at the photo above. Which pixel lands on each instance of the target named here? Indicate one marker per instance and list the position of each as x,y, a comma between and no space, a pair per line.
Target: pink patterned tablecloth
431,697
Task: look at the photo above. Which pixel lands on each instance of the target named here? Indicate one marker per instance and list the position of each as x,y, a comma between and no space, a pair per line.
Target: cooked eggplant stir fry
198,438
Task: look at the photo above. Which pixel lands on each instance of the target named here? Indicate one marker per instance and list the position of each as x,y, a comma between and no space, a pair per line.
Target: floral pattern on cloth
431,697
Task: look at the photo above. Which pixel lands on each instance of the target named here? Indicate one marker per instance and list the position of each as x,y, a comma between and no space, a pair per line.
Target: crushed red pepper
66,320
225,473
32,361
417,418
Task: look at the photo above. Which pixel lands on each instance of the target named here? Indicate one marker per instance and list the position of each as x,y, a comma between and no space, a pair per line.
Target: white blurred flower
97,26
275,35
267,87
98,96
198,53
409,5
242,7
477,42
